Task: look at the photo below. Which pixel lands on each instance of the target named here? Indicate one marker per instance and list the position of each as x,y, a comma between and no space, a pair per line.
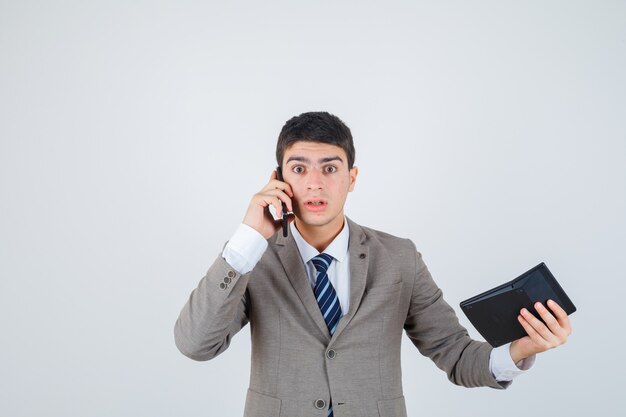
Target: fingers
275,183
551,334
275,193
548,318
536,337
543,335
278,185
282,192
275,198
284,198
560,314
560,325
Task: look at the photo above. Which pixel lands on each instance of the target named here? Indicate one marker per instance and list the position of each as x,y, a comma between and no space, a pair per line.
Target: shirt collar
338,248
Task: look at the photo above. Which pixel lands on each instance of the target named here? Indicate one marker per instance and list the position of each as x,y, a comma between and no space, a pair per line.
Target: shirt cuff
244,249
502,366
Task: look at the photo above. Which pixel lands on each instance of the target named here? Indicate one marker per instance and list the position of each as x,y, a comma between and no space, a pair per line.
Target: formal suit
297,367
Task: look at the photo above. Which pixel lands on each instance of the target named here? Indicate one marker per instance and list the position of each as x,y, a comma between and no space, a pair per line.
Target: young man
327,304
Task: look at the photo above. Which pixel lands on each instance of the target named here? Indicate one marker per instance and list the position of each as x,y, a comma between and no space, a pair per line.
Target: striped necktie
326,299
325,293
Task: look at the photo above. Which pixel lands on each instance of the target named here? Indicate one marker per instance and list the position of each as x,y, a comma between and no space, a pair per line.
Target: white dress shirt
247,246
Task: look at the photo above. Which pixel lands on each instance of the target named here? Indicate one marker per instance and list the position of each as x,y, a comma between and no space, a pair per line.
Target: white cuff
244,249
502,366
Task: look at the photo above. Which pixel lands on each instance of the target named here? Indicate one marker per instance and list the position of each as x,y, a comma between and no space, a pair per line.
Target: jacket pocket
384,289
392,408
259,405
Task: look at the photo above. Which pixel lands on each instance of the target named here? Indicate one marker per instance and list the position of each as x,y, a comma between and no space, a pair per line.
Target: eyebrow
308,161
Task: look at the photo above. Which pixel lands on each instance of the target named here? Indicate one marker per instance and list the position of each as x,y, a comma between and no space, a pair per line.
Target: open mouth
315,203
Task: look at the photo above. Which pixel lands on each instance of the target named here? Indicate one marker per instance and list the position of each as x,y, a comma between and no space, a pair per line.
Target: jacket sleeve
216,310
434,329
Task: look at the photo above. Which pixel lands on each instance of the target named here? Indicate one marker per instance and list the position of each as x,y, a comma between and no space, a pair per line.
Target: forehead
314,150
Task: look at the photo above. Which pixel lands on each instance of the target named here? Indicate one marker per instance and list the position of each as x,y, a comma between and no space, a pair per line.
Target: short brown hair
315,127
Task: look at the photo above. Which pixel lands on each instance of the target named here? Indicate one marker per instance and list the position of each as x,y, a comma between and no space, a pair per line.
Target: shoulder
396,246
386,238
399,253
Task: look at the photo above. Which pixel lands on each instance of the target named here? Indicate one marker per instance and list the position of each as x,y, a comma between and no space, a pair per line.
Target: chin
312,219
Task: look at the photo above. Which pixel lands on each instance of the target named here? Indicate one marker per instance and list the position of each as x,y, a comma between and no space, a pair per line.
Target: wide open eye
330,168
298,169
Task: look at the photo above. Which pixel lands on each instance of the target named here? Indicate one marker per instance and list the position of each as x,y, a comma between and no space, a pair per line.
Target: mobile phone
279,173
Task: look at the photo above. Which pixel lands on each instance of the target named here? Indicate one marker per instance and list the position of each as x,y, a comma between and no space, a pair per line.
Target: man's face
318,172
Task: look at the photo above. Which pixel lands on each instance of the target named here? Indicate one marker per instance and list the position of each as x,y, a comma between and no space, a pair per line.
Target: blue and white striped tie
326,299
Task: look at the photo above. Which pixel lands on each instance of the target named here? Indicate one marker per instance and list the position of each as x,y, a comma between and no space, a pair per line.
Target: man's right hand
259,216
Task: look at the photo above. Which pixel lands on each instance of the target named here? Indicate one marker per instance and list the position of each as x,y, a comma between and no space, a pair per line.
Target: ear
353,173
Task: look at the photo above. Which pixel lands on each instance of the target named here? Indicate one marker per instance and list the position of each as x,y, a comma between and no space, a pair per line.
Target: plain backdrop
134,133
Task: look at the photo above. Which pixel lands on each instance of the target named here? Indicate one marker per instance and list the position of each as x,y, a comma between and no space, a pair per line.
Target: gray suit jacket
296,365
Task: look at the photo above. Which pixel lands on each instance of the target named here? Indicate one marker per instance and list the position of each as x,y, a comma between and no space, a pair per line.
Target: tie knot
322,262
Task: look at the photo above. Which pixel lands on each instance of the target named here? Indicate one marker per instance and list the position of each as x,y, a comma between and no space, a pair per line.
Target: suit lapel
294,268
358,252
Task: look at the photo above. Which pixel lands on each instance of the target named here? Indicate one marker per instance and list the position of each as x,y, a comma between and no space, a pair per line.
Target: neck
320,236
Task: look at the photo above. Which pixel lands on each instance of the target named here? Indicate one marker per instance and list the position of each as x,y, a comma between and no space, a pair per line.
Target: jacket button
231,274
223,285
331,354
227,280
362,256
320,404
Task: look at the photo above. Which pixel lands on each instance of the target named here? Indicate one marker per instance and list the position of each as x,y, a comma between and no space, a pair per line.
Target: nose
314,180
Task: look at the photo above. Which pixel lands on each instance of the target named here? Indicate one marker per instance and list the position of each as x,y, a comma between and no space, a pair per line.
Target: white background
133,135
